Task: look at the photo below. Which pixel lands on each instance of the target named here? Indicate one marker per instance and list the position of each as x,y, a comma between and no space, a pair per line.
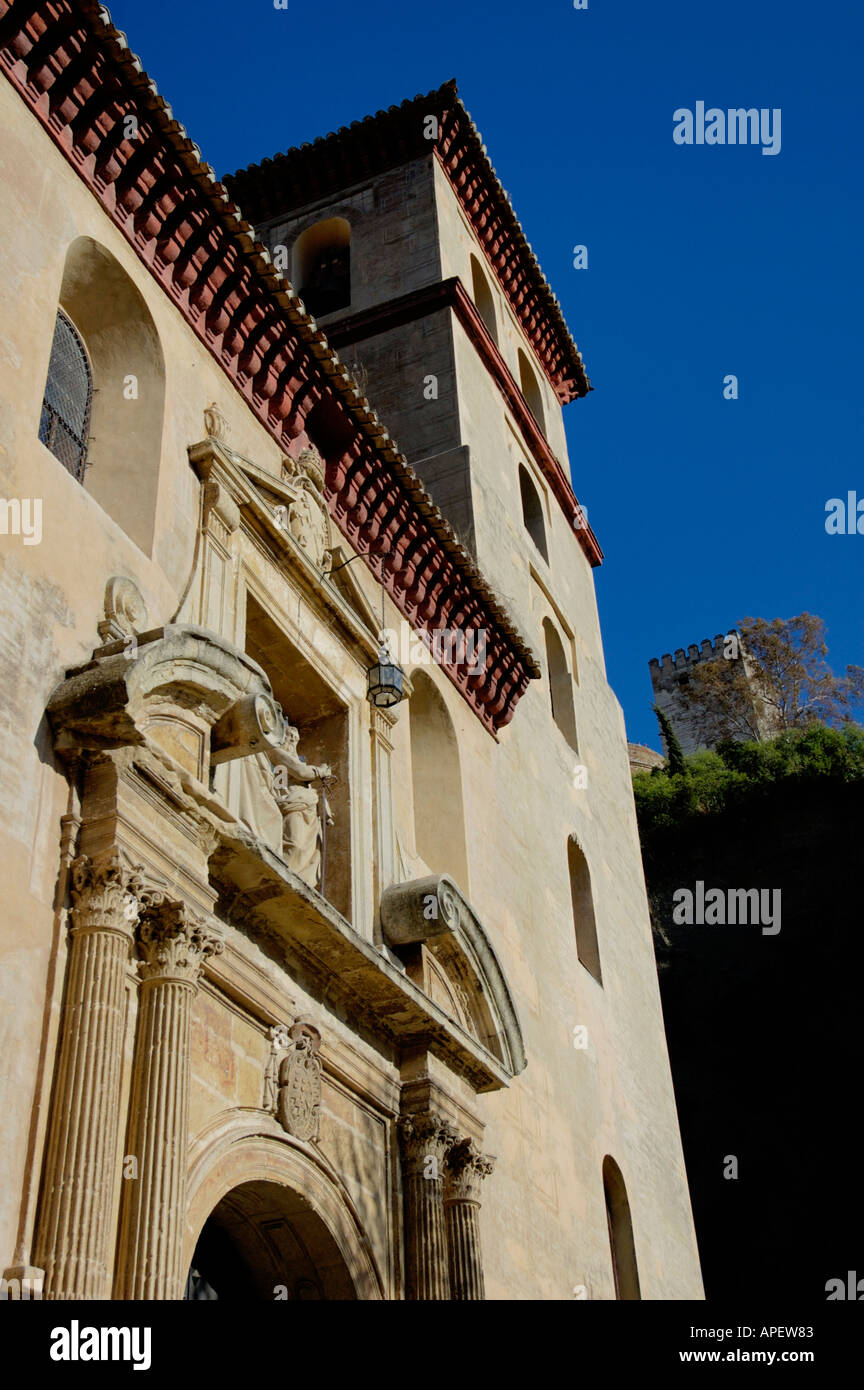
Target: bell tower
400,240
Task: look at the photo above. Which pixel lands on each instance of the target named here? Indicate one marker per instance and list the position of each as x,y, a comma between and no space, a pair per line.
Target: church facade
326,960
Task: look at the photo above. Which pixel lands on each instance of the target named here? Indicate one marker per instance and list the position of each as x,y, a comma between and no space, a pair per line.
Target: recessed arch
560,684
322,265
530,388
439,815
116,327
242,1147
622,1247
582,902
532,512
484,300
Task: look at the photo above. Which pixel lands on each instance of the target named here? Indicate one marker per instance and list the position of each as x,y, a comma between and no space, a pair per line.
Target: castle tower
699,729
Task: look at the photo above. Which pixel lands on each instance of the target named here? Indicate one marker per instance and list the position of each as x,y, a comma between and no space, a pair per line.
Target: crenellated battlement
670,675
708,650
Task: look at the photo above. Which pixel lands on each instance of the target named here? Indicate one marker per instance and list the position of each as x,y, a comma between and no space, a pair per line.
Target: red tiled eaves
311,172
75,72
452,294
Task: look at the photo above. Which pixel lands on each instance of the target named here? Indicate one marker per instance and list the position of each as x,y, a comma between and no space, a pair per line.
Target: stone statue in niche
280,805
300,806
308,519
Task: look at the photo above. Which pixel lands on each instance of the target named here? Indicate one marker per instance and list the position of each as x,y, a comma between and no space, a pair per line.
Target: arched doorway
269,1218
264,1242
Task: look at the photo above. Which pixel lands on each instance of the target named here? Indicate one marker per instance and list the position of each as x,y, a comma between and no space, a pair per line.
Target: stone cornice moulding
74,71
426,909
99,706
348,967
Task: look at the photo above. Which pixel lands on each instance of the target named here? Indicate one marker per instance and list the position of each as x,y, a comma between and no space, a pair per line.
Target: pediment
438,936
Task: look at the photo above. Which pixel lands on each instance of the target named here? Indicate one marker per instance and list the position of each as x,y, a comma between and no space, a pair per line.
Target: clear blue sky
703,261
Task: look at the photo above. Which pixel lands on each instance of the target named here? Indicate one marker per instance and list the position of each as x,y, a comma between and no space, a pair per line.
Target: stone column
73,1241
464,1171
174,943
426,1139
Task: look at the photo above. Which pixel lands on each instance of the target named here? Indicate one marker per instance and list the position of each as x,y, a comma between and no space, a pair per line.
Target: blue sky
702,260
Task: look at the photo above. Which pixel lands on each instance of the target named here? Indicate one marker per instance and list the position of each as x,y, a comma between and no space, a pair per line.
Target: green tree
674,753
773,677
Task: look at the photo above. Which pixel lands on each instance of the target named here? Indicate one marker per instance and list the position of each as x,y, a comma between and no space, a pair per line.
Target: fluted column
73,1242
464,1171
174,943
426,1139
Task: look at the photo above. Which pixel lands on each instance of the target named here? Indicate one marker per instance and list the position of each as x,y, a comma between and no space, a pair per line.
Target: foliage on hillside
738,774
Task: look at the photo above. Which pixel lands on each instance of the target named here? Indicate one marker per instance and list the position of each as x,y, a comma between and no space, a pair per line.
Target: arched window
532,512
322,266
531,390
64,425
560,685
623,1249
439,818
582,900
128,375
483,298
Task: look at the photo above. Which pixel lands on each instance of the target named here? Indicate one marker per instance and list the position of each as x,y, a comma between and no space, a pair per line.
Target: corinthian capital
174,940
426,1140
465,1170
105,892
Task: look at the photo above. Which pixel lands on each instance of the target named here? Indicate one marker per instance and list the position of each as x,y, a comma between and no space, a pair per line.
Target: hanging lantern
385,681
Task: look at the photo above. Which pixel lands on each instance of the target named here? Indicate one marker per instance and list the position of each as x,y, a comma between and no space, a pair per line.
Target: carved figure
308,519
299,805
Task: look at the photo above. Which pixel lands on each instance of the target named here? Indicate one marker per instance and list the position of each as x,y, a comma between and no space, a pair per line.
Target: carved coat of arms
294,1092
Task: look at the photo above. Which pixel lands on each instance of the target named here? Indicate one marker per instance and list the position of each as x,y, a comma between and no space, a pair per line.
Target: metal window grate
65,421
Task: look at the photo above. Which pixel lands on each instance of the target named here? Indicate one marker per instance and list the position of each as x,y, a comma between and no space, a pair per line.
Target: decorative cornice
75,72
451,294
312,172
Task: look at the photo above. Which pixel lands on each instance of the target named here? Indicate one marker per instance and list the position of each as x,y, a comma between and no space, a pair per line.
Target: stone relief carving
465,1172
105,890
125,610
175,941
306,517
292,1081
215,424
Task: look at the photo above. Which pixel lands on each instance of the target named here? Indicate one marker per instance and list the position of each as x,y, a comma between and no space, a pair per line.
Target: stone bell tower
399,238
